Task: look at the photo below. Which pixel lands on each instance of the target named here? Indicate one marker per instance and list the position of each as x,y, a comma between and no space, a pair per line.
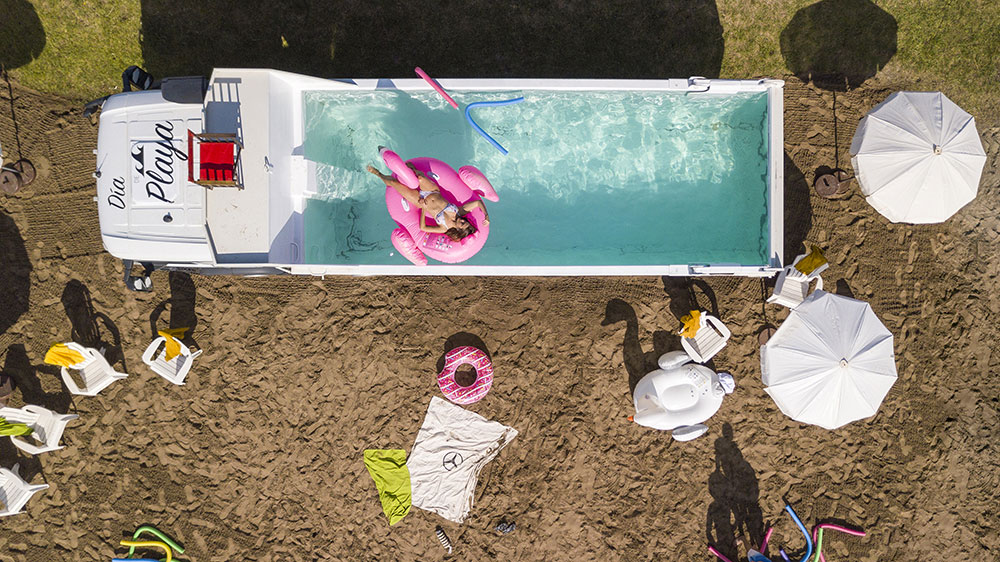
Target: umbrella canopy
918,157
830,363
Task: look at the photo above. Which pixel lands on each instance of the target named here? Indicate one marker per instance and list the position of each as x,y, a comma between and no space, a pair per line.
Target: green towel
14,429
392,479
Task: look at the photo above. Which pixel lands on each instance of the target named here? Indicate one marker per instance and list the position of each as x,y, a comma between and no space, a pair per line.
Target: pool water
592,178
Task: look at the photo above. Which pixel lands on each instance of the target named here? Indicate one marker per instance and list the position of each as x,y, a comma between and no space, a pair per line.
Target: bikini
439,218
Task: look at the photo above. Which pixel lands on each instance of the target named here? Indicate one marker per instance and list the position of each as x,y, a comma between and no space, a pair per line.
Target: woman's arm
477,204
437,228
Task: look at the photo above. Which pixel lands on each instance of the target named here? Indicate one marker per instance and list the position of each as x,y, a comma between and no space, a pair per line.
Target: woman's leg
411,195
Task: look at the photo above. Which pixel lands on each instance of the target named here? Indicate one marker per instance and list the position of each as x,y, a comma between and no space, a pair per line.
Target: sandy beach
259,456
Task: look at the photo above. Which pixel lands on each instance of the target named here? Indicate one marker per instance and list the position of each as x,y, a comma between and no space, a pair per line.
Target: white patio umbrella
918,157
830,363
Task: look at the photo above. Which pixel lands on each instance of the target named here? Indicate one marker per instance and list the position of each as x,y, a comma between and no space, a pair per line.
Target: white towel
452,447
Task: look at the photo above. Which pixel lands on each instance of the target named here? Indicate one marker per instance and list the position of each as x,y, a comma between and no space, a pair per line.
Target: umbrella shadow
735,508
638,363
23,32
89,327
670,38
18,366
838,44
181,306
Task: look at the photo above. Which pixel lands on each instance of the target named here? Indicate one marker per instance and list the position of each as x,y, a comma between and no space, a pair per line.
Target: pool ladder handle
698,84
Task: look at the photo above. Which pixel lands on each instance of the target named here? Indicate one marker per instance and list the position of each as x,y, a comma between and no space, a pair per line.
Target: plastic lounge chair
95,371
218,159
174,370
47,427
15,492
711,338
792,286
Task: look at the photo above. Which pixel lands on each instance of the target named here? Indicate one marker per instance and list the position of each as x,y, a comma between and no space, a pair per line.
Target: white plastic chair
47,427
792,286
711,338
95,371
15,492
174,370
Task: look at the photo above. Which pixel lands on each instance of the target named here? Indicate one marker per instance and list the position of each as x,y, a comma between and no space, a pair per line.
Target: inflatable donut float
466,355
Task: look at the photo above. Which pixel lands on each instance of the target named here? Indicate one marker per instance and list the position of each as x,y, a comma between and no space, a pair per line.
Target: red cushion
217,160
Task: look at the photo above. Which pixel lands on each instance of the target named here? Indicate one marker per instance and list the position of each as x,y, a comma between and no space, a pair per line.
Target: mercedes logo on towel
451,460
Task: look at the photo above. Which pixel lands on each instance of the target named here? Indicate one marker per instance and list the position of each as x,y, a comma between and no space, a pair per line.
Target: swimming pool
604,177
607,178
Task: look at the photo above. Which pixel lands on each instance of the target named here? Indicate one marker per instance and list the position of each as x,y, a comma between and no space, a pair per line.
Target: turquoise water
592,178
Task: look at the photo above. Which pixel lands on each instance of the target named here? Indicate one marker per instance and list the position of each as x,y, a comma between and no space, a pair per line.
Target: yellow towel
61,355
171,346
13,429
811,262
392,479
691,324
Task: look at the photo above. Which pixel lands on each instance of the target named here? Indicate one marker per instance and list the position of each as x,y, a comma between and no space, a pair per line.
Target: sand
259,456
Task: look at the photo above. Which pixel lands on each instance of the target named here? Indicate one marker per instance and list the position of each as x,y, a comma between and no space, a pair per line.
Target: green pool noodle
159,534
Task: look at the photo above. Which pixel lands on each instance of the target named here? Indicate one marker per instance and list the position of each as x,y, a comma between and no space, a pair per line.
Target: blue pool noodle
480,129
809,542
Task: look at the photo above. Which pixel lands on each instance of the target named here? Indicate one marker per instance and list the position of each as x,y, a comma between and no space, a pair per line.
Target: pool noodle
767,537
819,546
480,129
157,544
718,554
434,85
809,543
819,529
159,534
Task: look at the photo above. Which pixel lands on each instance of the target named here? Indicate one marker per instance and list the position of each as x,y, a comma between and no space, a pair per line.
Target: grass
87,45
941,44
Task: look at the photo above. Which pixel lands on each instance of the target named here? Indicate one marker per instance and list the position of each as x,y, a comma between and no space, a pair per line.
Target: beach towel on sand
451,448
392,480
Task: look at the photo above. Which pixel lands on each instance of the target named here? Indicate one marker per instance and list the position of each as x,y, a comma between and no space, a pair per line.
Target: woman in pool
427,197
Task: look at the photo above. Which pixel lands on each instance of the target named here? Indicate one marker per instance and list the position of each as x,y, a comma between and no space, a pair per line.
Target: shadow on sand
89,327
181,307
838,44
476,39
798,210
27,381
638,363
15,274
22,36
460,339
735,508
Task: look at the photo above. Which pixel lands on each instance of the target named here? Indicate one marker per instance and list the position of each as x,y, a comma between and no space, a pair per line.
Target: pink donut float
466,355
458,188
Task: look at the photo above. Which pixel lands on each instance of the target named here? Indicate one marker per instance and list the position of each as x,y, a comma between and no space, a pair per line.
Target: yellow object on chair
61,355
692,322
809,263
171,346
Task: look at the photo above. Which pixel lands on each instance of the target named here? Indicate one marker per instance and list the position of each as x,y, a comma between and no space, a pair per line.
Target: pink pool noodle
767,537
717,553
834,527
434,85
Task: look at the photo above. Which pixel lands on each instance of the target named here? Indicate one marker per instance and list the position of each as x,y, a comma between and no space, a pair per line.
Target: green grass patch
952,45
87,45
